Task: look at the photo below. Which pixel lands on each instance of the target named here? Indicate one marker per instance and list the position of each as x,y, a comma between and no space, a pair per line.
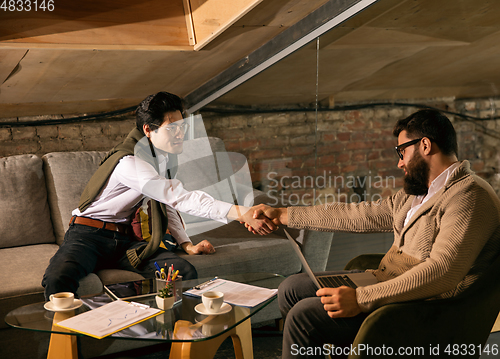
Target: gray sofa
37,197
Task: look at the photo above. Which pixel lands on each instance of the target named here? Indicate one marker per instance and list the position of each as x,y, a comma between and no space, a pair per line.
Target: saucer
50,306
225,308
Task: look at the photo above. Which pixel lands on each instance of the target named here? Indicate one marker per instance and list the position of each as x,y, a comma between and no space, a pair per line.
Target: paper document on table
109,319
243,295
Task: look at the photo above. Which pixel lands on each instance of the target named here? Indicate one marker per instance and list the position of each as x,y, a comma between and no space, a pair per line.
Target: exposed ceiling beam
315,24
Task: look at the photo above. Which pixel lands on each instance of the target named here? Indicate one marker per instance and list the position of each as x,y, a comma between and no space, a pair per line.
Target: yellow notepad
109,318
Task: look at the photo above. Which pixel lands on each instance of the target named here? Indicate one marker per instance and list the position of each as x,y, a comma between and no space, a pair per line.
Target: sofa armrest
429,324
466,318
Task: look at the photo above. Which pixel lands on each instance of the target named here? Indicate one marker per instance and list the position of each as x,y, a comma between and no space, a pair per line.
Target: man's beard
417,177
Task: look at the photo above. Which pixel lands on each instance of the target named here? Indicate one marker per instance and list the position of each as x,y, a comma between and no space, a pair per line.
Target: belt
117,227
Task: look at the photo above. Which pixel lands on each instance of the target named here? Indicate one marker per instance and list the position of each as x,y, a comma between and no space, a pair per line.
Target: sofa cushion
239,251
23,268
67,175
21,273
24,209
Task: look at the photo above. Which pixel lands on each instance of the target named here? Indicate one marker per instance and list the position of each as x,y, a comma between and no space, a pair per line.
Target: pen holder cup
161,283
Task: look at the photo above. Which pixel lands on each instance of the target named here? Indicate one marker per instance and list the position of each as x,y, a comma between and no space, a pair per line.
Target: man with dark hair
446,224
431,124
152,109
136,183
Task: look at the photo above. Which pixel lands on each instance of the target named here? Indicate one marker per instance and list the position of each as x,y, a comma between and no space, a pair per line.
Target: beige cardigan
447,244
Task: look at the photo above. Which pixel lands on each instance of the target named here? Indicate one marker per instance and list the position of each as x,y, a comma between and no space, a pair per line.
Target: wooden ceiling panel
39,80
110,23
338,69
9,61
97,54
367,37
211,18
101,51
64,75
373,12
453,66
200,66
280,13
393,50
459,20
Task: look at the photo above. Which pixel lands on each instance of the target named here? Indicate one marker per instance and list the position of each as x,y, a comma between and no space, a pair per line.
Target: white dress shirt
435,186
133,179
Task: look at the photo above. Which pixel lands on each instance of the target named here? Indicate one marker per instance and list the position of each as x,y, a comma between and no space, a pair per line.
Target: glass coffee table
192,335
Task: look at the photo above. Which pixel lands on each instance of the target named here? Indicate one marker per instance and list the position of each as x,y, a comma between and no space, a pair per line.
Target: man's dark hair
151,111
433,125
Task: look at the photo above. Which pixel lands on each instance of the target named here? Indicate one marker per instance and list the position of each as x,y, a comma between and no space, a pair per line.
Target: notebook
352,280
109,318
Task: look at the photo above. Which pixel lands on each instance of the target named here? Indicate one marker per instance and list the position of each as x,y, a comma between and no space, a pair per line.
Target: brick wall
42,139
355,157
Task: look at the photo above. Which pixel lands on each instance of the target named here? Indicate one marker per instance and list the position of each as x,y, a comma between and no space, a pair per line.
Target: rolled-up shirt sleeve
176,227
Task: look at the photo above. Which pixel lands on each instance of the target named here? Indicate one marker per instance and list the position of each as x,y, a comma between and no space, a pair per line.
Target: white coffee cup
212,301
62,300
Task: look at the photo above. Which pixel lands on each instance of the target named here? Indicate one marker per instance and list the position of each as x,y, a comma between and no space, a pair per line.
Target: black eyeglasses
400,149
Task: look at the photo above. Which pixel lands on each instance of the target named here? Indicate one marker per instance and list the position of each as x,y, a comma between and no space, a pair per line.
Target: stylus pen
204,284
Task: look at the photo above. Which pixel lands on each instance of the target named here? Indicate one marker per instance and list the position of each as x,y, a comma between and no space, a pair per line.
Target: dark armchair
453,327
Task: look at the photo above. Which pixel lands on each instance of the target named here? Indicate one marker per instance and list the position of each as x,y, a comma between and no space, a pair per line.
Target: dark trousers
87,249
308,330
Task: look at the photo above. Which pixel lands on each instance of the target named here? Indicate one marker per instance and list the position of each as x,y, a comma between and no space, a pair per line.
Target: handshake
260,219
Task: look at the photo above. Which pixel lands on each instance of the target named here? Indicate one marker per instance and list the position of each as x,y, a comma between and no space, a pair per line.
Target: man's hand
258,224
261,225
339,302
204,247
278,216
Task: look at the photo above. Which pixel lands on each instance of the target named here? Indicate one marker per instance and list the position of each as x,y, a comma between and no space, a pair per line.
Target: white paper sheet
243,295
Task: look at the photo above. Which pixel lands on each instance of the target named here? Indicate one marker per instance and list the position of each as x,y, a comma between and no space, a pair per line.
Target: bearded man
446,224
